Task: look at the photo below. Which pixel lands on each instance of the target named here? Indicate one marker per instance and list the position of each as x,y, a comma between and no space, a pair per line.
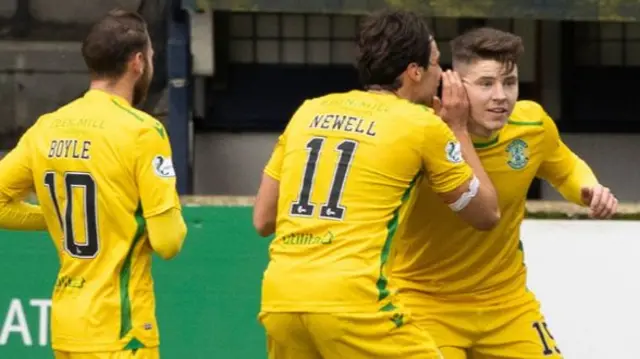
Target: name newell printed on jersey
345,123
163,166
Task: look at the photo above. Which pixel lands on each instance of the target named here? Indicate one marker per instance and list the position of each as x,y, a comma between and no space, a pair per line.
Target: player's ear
415,72
138,63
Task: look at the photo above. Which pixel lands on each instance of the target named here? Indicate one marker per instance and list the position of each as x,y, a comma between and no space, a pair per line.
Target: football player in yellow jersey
468,287
103,175
338,186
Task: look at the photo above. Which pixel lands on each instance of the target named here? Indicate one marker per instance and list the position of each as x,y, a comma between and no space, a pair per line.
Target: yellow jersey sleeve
155,175
167,232
274,165
16,177
445,167
562,168
17,215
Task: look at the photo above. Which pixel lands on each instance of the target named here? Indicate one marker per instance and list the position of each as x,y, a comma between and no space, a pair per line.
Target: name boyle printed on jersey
163,167
518,155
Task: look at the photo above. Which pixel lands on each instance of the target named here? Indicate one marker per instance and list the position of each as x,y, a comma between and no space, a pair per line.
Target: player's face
141,87
431,77
492,93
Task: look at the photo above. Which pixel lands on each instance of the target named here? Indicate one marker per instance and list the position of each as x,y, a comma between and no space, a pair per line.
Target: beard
141,88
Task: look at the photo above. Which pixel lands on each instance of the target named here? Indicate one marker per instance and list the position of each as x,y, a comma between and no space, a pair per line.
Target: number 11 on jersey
332,209
85,181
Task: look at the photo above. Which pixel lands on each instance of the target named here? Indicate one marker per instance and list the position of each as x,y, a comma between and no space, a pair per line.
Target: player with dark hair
468,287
103,174
338,186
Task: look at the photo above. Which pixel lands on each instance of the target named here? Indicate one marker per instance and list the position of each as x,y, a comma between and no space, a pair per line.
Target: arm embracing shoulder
456,174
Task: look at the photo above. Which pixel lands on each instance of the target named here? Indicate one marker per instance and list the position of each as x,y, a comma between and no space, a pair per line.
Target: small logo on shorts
147,326
518,154
398,319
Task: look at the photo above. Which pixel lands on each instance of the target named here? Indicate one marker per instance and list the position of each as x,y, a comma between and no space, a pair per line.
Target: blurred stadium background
230,73
239,68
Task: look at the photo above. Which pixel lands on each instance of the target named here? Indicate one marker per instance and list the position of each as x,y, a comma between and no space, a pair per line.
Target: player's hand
453,108
602,203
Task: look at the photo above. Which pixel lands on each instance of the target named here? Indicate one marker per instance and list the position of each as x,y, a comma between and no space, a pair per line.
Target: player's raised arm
156,180
16,181
468,191
266,206
570,175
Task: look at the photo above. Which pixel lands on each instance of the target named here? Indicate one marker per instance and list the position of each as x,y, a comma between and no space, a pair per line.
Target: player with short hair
468,287
338,186
104,178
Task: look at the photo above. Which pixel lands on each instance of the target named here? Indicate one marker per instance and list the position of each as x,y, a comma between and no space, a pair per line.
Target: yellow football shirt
98,167
347,164
440,257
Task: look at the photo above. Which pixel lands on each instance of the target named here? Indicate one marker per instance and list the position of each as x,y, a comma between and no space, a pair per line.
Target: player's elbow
487,221
481,214
490,215
172,243
167,232
482,221
264,225
265,208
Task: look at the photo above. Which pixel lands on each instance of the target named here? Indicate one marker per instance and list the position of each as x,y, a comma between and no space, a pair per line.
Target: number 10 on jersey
84,181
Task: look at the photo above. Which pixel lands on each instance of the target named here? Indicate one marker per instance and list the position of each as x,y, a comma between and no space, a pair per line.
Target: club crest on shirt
163,167
518,154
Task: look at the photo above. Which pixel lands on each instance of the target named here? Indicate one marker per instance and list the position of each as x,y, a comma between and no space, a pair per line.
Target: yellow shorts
381,335
144,353
513,331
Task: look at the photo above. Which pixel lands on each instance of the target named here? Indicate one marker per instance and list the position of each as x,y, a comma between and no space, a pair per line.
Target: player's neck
480,133
379,90
402,92
406,93
118,88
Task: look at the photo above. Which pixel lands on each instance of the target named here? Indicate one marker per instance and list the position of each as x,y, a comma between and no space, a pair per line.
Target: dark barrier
615,10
